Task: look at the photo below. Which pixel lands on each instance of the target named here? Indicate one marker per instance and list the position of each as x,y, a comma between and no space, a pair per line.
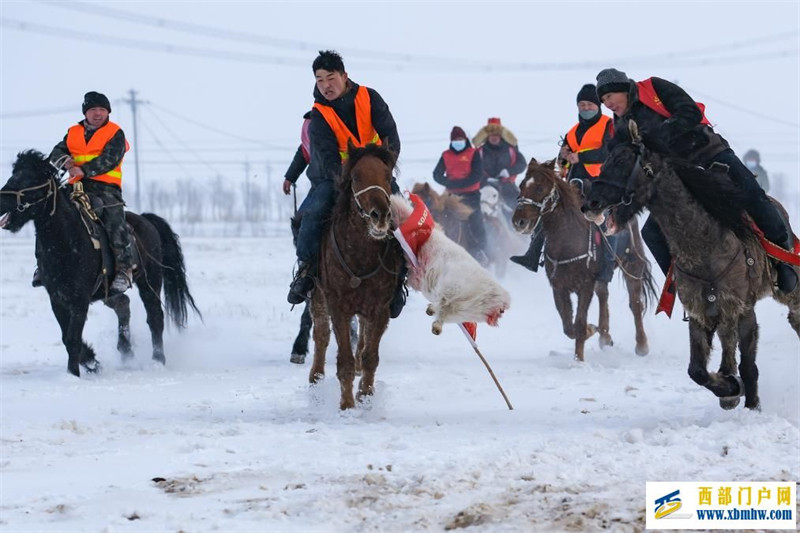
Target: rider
585,151
302,157
461,172
667,111
752,160
92,152
501,158
341,107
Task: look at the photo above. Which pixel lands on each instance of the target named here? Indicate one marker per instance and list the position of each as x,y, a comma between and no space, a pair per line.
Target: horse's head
624,185
25,195
539,193
367,176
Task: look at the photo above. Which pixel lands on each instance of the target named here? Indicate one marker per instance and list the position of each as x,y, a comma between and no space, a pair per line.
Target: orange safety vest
83,152
366,131
649,97
592,140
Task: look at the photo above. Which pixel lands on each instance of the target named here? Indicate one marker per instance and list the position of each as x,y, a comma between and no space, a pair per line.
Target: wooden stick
486,364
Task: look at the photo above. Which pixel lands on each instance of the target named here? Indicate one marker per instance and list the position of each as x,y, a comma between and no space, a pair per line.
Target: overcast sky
241,71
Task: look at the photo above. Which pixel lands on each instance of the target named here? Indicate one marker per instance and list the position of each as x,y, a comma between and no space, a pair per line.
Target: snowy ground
243,444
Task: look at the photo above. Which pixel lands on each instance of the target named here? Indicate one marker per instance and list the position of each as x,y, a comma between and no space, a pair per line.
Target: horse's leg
374,332
300,346
794,312
700,348
581,314
564,308
601,289
71,321
345,361
636,290
748,345
729,338
155,314
121,305
322,336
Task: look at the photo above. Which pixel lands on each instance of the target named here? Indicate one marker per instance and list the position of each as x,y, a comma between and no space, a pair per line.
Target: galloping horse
720,268
71,268
573,253
358,270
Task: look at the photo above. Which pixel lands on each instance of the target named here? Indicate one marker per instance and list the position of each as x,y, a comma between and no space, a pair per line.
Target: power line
186,146
743,110
40,112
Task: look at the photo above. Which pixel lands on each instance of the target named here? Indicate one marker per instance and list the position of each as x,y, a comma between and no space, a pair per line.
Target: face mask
588,113
459,145
751,164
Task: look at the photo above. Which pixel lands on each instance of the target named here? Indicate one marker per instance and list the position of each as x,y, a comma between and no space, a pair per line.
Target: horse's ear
350,146
550,165
633,130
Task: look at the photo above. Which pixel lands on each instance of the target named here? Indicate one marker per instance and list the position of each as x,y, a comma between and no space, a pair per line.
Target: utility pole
133,103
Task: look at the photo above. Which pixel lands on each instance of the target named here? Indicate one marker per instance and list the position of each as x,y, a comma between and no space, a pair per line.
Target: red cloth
418,226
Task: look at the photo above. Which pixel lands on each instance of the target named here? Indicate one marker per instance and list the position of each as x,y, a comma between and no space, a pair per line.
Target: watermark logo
721,505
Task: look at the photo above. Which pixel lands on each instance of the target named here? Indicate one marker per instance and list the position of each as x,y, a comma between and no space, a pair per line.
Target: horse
359,265
720,268
71,267
449,212
501,241
574,255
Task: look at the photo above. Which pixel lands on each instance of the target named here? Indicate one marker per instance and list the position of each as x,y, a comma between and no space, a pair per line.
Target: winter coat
496,157
326,163
468,183
682,134
107,161
595,156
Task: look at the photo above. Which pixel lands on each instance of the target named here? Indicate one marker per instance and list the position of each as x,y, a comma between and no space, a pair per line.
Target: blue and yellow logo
666,505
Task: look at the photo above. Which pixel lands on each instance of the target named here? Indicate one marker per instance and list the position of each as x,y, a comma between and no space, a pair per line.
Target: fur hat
611,80
457,133
494,127
93,99
588,93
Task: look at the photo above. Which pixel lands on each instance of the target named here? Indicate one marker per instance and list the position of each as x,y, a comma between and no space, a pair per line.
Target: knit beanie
611,80
457,133
588,93
93,99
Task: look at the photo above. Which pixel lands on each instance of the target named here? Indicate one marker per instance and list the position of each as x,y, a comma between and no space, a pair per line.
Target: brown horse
720,268
574,255
358,270
448,211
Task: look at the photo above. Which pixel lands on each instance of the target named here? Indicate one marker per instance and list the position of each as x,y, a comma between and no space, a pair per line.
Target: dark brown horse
574,255
448,211
721,271
358,272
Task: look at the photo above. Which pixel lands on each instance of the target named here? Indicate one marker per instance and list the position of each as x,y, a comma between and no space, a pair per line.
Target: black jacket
112,154
475,173
297,166
589,157
326,163
681,135
498,157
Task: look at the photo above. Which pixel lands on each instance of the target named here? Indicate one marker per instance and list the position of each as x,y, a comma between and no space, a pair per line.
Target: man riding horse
584,151
670,118
92,152
341,107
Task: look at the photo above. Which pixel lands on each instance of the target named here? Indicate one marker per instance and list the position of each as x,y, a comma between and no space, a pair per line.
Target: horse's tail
649,290
176,289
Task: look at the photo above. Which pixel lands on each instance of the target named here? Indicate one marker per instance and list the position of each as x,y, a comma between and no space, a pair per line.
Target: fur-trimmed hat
457,133
94,99
494,127
611,80
588,93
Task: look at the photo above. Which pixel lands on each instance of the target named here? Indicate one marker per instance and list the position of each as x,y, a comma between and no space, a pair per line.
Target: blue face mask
588,114
458,145
751,164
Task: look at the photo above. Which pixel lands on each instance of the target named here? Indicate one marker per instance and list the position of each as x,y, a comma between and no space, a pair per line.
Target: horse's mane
546,171
716,193
34,161
445,203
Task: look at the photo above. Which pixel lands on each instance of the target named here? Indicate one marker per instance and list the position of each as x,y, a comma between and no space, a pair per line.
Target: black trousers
107,203
477,230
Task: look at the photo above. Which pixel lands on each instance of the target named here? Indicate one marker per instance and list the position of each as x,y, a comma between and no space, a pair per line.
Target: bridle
356,194
20,194
638,167
547,205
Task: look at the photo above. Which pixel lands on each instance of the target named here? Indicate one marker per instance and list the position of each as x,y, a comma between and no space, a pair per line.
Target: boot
531,258
787,277
37,278
400,294
302,284
122,281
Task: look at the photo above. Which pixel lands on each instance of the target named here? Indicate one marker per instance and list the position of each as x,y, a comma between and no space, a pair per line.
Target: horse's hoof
93,366
298,358
606,340
430,310
642,349
159,358
346,403
729,402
